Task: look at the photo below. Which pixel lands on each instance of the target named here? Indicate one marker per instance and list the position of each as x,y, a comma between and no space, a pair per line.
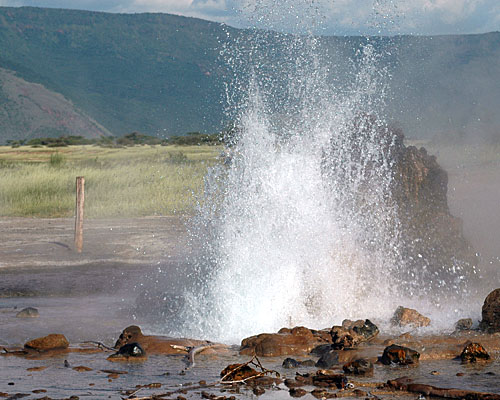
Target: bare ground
37,256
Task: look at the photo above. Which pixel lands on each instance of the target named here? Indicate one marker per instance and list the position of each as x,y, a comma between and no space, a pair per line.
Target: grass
126,182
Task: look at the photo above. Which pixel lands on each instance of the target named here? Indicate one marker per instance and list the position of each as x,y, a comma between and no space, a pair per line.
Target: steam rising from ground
299,228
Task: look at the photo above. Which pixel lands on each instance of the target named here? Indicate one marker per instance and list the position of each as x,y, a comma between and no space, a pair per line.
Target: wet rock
328,359
293,383
491,313
237,372
297,392
162,344
323,394
130,351
296,341
47,343
351,334
367,329
82,368
359,367
321,349
474,352
400,355
290,363
407,384
408,316
463,324
344,339
328,378
28,312
258,391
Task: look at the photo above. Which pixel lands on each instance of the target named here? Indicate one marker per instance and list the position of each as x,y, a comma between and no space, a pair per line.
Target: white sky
338,16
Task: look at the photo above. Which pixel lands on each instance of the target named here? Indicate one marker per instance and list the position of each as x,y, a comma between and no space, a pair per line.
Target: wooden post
80,199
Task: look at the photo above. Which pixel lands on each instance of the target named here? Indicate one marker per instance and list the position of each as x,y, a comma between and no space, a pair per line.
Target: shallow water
60,381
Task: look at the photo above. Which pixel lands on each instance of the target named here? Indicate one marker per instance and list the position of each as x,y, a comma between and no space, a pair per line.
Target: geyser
301,226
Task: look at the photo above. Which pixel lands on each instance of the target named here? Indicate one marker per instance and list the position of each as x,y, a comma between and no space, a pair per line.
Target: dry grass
132,181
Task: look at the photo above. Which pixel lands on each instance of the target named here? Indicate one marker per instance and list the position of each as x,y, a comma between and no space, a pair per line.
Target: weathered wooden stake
80,200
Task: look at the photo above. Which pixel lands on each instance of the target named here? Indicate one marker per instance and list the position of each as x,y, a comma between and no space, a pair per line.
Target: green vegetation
119,182
131,139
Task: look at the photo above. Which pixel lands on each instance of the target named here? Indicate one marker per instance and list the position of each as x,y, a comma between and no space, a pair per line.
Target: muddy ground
37,256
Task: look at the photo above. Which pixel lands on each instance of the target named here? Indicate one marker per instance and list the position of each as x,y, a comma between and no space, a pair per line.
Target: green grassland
119,182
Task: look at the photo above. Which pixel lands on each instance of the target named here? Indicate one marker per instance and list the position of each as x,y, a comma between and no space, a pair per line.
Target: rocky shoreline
329,363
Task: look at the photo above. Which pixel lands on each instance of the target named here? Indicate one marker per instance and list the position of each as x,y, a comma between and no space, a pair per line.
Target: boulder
47,343
408,316
474,352
491,313
359,367
28,312
399,355
296,341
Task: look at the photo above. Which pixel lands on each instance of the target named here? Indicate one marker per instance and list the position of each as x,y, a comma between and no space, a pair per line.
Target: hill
162,74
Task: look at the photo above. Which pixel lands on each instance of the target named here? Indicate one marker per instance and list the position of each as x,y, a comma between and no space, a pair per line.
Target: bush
56,160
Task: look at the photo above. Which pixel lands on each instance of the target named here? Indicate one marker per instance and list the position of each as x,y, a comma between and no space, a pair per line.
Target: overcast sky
338,16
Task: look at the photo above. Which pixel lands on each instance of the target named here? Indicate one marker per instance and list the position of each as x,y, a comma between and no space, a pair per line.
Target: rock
46,343
367,329
296,341
463,324
351,334
491,313
292,363
359,367
328,359
28,312
162,344
474,352
237,372
408,316
431,239
297,392
327,378
129,352
400,355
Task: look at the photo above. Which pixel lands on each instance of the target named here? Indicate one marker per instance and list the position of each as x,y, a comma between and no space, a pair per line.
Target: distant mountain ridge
162,74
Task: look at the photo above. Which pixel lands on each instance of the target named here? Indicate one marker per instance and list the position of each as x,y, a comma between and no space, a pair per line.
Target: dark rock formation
408,316
53,341
491,312
400,355
431,245
474,352
28,312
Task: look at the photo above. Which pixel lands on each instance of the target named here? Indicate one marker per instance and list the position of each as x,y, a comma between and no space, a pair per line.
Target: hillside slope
31,110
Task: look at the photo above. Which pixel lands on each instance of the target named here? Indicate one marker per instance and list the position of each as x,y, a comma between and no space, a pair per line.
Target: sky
340,17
